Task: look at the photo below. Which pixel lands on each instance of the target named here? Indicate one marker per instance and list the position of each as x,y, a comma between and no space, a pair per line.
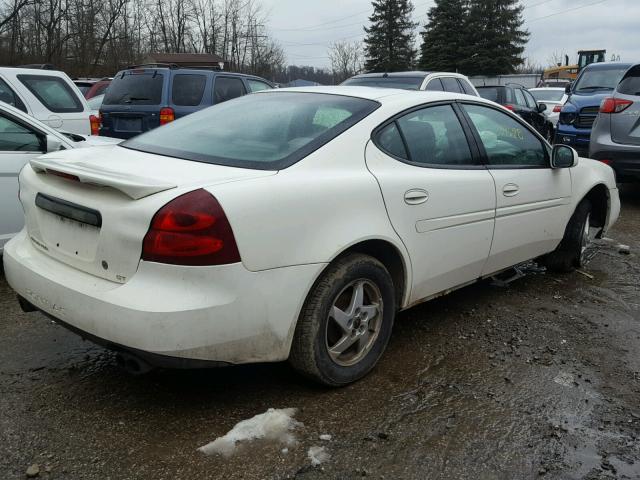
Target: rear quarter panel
312,211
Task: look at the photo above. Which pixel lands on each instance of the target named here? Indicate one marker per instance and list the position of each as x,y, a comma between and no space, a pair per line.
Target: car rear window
134,88
405,83
490,93
267,131
548,95
187,90
53,92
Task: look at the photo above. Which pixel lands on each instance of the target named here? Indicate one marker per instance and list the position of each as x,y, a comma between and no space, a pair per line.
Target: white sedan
23,138
295,224
554,98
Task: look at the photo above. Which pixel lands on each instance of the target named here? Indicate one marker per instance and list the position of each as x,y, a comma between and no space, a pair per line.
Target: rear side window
466,87
16,138
257,85
389,140
434,136
451,85
187,90
630,85
226,88
53,92
7,95
490,94
520,98
133,88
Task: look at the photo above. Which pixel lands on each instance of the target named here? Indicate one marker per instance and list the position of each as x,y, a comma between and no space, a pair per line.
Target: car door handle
416,196
510,190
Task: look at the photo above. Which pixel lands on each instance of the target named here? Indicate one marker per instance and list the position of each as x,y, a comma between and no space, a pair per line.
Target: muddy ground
540,379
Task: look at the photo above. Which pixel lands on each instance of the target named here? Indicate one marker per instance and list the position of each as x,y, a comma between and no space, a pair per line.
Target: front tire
346,321
571,253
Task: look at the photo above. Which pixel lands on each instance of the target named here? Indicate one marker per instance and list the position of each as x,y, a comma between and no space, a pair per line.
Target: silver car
615,138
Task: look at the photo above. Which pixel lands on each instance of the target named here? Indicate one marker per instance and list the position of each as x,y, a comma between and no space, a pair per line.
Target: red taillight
191,230
167,115
509,107
557,109
614,105
605,161
95,124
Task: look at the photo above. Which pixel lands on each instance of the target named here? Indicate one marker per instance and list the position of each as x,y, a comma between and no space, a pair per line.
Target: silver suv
615,138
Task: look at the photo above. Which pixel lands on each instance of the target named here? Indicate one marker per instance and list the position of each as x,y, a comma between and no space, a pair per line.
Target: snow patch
318,455
326,437
275,425
565,379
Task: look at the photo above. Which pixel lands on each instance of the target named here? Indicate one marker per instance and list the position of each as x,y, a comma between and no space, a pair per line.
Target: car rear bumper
624,159
221,314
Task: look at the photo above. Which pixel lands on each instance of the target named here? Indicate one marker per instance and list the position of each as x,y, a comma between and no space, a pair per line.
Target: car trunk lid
91,208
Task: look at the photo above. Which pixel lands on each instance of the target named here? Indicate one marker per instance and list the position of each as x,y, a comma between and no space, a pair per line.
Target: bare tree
346,59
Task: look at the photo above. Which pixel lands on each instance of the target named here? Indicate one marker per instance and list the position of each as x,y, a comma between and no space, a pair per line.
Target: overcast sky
306,28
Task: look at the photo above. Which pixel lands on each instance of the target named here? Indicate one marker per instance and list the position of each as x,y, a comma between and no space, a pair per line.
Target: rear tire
570,254
346,321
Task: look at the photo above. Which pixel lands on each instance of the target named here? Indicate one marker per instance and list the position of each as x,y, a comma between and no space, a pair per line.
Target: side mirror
563,156
567,89
542,107
53,144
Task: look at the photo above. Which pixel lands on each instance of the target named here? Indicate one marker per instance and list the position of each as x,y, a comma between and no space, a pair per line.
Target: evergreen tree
442,39
494,37
389,44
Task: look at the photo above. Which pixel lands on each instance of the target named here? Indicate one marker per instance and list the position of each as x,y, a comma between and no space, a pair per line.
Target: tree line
98,37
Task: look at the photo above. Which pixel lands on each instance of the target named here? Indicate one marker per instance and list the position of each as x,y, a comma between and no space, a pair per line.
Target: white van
48,95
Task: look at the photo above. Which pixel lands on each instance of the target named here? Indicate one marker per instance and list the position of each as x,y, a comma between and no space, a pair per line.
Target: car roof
33,71
556,89
379,94
608,65
413,73
191,70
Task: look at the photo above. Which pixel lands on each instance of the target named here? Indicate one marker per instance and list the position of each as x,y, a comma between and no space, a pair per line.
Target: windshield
547,95
266,131
135,88
405,83
599,79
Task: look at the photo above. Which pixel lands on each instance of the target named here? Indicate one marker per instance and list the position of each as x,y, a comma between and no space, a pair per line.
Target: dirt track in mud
539,379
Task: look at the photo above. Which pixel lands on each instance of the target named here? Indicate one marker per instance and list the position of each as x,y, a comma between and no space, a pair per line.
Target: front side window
135,87
257,85
187,90
433,137
267,131
506,141
227,88
17,138
53,93
450,85
7,95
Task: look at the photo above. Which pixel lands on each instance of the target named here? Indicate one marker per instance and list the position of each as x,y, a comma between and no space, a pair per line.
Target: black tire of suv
567,257
309,352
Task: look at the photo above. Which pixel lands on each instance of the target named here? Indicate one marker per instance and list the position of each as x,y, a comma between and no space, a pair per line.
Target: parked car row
519,100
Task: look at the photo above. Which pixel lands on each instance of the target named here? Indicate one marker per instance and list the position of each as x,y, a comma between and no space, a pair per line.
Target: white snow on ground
326,437
318,455
276,425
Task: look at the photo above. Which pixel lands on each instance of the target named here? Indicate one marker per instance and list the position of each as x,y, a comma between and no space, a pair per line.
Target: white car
415,80
553,98
295,223
23,138
48,95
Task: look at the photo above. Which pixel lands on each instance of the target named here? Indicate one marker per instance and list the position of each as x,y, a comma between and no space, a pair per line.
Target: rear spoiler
131,185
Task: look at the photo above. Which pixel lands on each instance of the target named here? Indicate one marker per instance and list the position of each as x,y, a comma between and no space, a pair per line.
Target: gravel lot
538,379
